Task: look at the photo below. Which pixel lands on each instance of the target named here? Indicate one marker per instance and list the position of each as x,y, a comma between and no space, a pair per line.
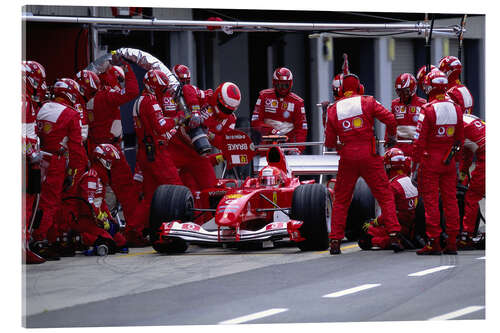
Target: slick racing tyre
311,203
171,245
169,203
362,209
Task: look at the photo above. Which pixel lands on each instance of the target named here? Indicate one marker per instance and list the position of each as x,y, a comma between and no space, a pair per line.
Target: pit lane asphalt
209,286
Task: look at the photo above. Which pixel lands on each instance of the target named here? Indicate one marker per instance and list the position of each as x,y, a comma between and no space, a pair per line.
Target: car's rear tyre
312,204
362,209
169,203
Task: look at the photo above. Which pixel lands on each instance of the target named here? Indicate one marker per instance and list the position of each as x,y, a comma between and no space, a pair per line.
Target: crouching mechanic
279,111
92,219
406,197
351,119
440,132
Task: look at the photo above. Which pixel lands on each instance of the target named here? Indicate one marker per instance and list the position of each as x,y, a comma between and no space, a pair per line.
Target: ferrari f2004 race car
271,207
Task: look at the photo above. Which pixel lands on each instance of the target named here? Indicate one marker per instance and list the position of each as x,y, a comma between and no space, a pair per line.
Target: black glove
391,141
414,176
324,105
195,121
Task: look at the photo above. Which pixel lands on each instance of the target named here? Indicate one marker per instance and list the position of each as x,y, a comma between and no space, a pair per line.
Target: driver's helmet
271,177
394,158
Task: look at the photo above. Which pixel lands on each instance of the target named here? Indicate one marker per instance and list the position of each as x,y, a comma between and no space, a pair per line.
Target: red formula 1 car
271,207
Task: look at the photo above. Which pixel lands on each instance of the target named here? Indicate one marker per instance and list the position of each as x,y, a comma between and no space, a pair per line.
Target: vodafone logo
441,130
411,203
478,124
346,124
190,227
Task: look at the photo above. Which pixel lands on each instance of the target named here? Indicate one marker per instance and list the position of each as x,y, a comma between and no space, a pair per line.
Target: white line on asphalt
430,271
458,313
352,290
481,258
253,316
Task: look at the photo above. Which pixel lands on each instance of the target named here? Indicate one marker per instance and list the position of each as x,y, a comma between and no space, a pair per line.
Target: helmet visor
223,109
268,181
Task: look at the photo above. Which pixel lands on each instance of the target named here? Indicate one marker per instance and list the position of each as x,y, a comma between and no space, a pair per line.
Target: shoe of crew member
44,250
465,243
451,244
431,248
335,246
395,242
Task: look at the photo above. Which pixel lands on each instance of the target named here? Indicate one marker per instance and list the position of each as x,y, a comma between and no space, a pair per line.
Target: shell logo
47,127
450,131
274,104
90,116
357,122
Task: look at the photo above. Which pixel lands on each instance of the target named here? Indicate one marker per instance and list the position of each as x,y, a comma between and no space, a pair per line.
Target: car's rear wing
327,164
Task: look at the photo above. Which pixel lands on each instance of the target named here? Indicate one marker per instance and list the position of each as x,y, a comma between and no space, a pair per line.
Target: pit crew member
406,198
92,218
350,120
154,132
279,111
422,72
458,92
406,109
216,117
474,144
440,132
33,93
60,134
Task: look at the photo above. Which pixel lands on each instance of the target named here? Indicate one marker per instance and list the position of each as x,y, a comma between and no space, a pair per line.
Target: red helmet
89,83
228,97
282,81
156,82
34,77
68,90
271,176
336,83
183,73
435,82
394,158
405,85
113,76
105,154
350,85
422,72
451,66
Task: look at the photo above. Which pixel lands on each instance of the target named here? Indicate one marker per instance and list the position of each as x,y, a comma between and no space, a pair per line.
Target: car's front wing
193,232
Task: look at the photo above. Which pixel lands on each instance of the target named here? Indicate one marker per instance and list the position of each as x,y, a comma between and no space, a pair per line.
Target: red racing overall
350,120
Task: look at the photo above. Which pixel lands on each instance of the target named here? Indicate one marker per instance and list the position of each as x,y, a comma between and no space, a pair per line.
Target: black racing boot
44,250
451,244
395,242
335,246
465,243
